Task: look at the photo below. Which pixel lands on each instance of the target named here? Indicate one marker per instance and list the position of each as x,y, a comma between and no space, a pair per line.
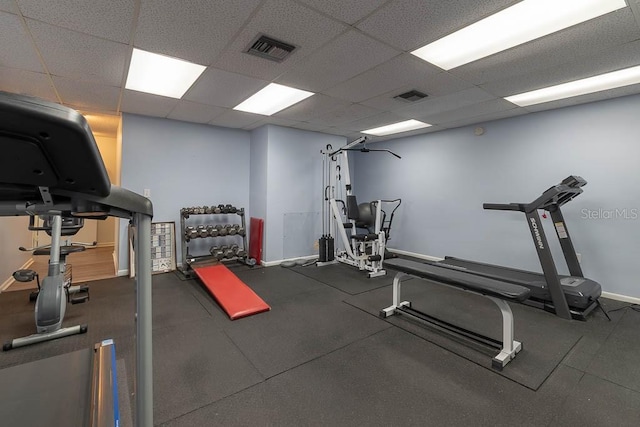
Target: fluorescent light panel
405,126
161,75
626,77
271,99
518,24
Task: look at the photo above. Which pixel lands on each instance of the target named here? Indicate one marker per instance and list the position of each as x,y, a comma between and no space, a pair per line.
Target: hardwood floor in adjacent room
91,264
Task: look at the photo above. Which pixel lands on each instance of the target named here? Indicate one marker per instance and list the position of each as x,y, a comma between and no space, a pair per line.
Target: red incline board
236,298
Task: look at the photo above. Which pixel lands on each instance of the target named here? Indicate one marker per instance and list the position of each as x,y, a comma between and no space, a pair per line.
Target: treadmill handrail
504,206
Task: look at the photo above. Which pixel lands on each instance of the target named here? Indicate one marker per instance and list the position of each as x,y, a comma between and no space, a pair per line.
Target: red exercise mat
256,226
235,297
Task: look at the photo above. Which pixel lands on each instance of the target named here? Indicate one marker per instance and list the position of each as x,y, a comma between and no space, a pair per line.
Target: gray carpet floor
322,356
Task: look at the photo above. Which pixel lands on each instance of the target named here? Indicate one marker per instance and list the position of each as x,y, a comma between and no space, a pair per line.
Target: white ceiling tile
109,19
445,103
607,32
286,21
409,24
195,30
349,12
26,83
193,112
484,118
350,54
402,71
311,107
16,48
344,115
309,126
625,56
146,104
9,6
272,121
474,110
222,88
86,95
80,56
371,122
236,119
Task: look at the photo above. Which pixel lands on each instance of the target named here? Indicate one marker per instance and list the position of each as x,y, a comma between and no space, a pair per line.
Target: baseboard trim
104,244
5,285
278,262
121,273
623,298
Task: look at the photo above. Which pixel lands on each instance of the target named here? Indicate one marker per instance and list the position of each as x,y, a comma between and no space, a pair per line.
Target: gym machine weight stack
217,253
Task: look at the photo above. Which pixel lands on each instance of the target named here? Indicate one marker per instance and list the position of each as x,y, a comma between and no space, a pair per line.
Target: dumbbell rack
205,232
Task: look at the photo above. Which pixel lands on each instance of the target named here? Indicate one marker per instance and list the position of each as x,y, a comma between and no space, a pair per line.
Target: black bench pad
470,282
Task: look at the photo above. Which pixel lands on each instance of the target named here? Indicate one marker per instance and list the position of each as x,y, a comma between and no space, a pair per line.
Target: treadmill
50,164
572,296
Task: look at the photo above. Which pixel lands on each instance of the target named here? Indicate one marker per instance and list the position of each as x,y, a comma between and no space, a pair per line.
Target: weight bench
496,291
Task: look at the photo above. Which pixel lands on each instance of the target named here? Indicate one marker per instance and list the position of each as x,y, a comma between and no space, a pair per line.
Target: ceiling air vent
272,49
411,96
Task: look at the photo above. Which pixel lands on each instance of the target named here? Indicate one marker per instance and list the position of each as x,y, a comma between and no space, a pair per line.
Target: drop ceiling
353,54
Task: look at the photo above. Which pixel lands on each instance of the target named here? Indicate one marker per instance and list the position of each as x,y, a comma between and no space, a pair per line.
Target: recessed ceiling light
515,25
405,126
626,77
161,75
271,99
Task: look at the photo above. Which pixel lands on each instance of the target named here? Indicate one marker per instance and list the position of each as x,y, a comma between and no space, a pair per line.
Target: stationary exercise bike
56,289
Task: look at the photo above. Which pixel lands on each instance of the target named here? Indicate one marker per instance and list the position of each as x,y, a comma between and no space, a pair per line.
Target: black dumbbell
191,232
217,252
216,209
231,229
231,209
242,231
228,252
241,253
213,231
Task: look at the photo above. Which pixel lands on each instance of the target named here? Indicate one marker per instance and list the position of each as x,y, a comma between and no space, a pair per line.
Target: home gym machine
364,250
50,165
56,289
572,296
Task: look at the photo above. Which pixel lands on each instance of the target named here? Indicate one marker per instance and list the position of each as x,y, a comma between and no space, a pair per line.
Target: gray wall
294,191
13,234
444,177
184,164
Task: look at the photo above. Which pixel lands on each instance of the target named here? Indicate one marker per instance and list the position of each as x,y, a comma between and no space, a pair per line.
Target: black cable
634,307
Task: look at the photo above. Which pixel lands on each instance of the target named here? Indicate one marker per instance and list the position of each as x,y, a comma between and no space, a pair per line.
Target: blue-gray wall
184,164
258,178
444,177
294,190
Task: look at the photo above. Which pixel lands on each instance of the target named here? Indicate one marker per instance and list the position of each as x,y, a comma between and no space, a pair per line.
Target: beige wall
13,234
108,149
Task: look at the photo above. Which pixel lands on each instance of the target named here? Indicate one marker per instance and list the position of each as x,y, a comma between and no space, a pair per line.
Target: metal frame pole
144,348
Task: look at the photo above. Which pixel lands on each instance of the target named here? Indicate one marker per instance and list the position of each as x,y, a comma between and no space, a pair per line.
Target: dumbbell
222,209
213,232
241,231
231,229
228,252
222,231
216,252
216,209
207,209
191,232
240,211
202,231
231,209
241,253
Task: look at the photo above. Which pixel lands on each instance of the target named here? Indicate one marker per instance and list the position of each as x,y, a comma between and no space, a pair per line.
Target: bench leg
397,285
510,347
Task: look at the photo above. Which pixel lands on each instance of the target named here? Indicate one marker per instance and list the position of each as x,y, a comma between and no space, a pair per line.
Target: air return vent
411,96
272,49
